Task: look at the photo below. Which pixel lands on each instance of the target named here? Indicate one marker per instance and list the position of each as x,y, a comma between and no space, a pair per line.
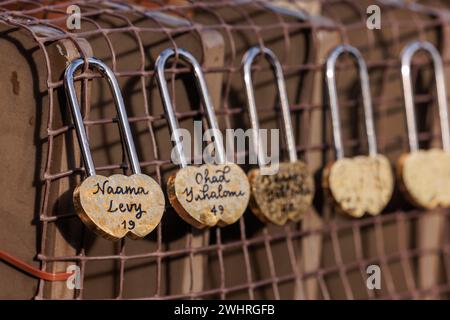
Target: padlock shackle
406,58
334,104
247,62
69,85
188,58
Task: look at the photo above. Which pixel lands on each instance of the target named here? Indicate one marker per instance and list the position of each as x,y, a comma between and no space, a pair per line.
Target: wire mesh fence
325,256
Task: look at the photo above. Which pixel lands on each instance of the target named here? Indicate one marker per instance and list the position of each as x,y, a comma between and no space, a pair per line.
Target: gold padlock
117,205
211,194
287,193
425,174
362,184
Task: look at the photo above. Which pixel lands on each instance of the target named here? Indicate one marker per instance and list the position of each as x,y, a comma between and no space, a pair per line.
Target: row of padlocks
219,193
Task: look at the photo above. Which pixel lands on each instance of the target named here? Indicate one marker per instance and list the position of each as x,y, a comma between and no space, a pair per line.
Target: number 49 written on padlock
219,210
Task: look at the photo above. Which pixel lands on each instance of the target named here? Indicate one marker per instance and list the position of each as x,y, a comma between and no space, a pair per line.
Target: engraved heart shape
360,185
285,195
120,205
210,194
425,177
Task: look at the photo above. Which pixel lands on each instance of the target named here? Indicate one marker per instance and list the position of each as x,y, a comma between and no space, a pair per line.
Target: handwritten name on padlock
212,194
285,195
209,194
118,205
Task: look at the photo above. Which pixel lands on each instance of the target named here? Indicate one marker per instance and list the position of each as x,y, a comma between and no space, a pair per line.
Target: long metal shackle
124,126
187,57
406,58
247,63
334,104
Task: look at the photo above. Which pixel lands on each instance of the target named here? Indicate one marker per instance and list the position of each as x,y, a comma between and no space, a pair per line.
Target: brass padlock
117,205
425,174
362,184
287,193
211,194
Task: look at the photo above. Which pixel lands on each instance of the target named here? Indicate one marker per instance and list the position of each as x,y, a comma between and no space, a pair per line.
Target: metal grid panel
247,260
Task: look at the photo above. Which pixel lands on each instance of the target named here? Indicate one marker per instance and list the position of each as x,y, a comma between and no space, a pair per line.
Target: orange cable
35,272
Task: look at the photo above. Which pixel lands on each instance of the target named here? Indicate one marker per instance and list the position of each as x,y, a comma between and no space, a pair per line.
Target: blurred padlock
287,193
362,184
425,174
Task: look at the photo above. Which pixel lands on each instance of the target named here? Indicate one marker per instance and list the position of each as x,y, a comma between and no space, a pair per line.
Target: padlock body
120,205
360,185
210,194
285,195
424,177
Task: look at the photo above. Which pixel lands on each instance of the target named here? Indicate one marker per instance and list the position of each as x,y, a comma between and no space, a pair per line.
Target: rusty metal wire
325,259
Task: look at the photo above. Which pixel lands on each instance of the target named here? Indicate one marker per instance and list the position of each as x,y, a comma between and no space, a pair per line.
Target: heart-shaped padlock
362,184
425,174
287,193
118,205
212,194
